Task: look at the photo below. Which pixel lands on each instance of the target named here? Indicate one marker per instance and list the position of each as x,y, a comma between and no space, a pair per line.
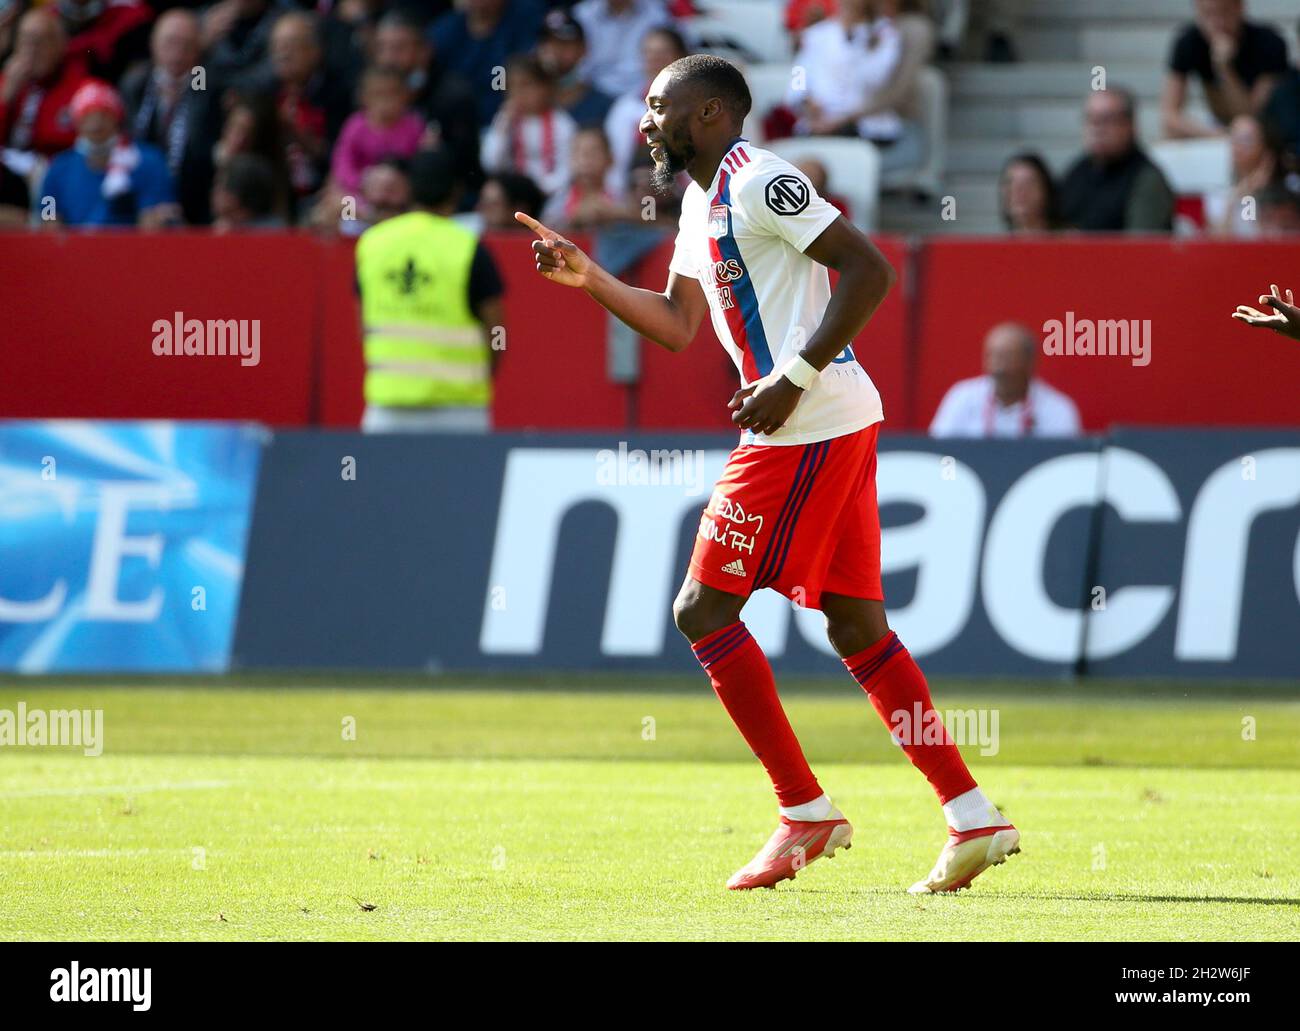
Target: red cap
94,95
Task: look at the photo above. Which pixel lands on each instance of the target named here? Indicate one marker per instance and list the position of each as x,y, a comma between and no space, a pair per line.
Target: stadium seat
1194,166
1195,169
852,168
768,84
927,178
745,29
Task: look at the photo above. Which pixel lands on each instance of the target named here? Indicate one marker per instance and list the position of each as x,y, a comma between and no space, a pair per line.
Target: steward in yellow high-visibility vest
430,299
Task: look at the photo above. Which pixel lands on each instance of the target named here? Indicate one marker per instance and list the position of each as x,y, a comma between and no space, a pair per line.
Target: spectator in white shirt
614,29
843,62
901,94
530,133
1007,401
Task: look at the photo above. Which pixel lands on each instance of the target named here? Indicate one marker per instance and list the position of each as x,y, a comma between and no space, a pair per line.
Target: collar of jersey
713,186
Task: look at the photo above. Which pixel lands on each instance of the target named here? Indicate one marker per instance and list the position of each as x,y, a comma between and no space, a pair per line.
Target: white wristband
800,373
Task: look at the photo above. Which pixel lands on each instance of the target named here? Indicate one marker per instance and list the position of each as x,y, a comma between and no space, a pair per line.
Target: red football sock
895,684
743,681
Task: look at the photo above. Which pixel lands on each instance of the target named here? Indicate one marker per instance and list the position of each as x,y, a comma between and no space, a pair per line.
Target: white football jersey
744,239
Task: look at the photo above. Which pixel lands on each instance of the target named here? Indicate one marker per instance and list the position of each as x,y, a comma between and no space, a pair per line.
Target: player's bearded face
671,157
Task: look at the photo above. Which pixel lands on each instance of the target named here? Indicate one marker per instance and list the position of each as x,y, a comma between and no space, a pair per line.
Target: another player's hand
1286,319
559,260
765,406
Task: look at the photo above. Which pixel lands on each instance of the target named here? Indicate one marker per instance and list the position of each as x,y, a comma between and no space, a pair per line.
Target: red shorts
798,518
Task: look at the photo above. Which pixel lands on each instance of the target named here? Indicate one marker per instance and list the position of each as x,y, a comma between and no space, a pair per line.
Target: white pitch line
118,789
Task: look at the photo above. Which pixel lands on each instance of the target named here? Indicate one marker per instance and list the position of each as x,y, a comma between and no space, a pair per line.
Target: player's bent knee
848,637
690,617
697,614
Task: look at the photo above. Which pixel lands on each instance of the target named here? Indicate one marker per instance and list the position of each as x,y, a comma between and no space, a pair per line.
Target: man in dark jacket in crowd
1113,185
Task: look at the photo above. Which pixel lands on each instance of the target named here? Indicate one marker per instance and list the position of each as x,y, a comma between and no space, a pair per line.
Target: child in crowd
530,134
586,204
384,127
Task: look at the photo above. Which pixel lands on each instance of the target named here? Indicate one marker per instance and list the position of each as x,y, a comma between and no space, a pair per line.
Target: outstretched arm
670,318
1286,319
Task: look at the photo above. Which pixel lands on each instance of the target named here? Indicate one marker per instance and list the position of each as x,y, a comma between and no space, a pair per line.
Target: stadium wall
79,312
195,548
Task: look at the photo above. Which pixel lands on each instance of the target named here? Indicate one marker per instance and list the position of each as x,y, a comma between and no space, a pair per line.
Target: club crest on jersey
718,221
786,194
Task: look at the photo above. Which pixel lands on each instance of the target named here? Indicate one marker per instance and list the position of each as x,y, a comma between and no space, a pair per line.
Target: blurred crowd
271,113
274,113
1252,92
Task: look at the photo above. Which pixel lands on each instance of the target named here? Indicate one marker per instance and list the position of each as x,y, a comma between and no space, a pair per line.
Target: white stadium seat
852,170
740,28
768,84
1194,166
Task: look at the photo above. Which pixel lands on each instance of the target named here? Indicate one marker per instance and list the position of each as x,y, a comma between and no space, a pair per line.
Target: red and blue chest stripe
743,318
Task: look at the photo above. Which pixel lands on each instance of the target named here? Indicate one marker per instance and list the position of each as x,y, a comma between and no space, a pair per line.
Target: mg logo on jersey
786,194
718,221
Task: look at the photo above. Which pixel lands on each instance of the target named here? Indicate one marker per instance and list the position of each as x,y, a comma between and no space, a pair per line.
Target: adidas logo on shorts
736,568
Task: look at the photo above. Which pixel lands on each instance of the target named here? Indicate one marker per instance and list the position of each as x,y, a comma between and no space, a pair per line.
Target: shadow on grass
1041,896
1120,897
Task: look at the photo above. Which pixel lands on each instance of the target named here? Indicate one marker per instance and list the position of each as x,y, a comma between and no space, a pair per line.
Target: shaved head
702,77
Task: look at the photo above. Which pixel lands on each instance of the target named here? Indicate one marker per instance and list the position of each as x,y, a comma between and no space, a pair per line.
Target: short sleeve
780,201
484,278
1185,55
683,261
1273,53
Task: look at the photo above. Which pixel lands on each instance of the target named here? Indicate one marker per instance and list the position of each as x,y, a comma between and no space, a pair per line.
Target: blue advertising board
514,552
122,547
1145,553
122,544
1198,555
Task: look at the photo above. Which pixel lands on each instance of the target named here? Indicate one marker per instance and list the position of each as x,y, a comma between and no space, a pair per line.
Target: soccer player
795,509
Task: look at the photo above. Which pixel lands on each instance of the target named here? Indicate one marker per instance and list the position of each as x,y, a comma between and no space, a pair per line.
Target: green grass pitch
569,810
